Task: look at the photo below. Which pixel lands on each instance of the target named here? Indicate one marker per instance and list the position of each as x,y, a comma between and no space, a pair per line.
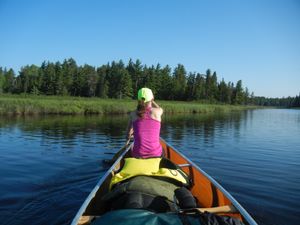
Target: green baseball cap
145,94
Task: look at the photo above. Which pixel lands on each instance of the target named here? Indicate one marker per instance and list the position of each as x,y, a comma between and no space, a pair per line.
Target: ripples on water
254,155
49,165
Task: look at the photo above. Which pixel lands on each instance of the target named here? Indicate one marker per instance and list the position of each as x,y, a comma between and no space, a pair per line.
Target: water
48,165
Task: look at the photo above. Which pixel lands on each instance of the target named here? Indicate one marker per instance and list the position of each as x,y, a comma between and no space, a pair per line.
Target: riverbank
41,105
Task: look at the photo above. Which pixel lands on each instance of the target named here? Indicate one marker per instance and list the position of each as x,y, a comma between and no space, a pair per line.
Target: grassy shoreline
42,105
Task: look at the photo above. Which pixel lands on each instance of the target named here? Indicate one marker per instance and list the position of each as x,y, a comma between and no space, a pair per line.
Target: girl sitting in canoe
145,123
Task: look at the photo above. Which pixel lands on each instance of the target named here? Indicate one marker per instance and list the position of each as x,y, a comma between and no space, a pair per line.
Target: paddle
117,155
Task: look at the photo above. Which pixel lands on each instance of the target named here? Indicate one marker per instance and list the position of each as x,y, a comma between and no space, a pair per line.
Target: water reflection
69,128
66,126
202,126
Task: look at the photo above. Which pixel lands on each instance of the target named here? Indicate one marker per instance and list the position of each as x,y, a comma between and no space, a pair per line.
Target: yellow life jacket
147,167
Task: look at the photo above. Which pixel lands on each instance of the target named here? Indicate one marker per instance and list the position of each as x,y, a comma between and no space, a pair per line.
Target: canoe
208,193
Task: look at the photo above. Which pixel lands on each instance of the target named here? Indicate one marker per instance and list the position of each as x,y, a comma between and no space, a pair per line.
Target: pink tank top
146,137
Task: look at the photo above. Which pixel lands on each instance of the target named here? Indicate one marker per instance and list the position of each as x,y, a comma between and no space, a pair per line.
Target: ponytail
141,109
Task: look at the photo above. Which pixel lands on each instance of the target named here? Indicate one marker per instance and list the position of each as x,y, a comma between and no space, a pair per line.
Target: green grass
39,105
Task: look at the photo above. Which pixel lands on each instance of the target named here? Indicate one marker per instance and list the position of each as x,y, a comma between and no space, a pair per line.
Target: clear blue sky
257,41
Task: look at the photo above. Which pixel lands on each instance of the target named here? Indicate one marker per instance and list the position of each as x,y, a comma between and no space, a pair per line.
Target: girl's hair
141,109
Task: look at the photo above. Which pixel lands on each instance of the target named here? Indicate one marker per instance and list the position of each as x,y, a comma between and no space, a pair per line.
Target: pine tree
9,81
214,87
29,77
79,82
135,71
118,81
190,87
2,80
113,80
211,86
150,79
296,102
238,95
179,81
223,92
200,91
166,84
69,71
246,96
89,81
60,88
102,85
125,88
48,85
231,91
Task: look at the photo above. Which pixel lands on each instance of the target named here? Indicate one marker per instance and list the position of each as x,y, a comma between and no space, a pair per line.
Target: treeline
287,102
117,80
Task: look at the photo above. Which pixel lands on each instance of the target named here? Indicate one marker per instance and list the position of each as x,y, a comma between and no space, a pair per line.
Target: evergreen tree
179,81
2,80
246,96
231,91
79,82
90,80
158,81
223,92
9,81
29,76
125,88
214,87
200,91
102,85
208,81
48,85
190,86
296,102
119,81
136,71
69,71
113,76
211,86
60,88
238,95
150,79
164,90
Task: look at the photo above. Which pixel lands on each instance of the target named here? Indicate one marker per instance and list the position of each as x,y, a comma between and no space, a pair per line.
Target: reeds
39,105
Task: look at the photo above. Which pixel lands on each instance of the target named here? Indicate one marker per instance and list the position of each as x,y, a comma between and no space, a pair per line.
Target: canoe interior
206,193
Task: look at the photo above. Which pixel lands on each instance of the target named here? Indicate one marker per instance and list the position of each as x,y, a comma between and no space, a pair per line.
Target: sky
256,41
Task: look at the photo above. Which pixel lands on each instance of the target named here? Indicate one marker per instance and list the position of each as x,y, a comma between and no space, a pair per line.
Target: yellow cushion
134,167
147,167
137,166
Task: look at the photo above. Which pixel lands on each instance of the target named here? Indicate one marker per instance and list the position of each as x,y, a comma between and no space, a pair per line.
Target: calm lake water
48,165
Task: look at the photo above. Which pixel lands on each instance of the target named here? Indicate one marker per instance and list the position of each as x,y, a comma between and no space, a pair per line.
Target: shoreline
67,105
